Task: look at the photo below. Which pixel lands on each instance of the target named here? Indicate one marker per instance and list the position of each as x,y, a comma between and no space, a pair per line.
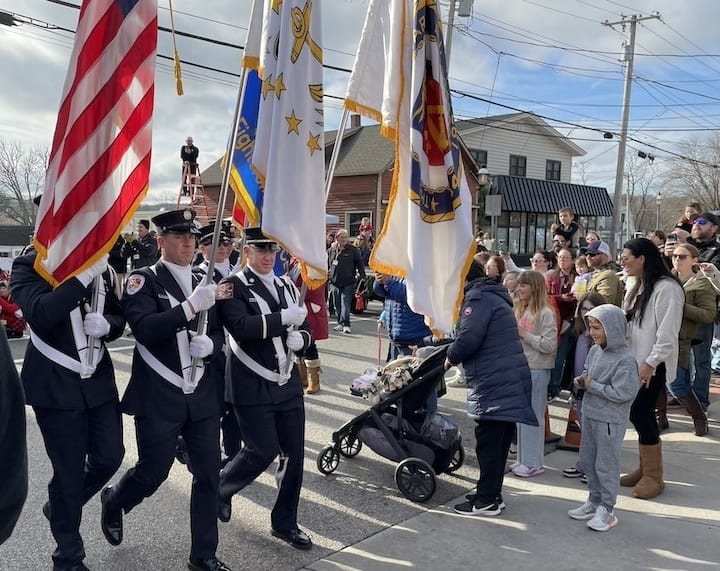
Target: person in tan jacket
604,279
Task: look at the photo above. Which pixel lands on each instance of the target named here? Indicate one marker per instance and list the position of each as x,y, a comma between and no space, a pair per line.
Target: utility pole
448,36
629,53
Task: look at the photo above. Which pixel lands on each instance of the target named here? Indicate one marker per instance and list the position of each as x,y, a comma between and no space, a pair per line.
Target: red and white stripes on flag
99,164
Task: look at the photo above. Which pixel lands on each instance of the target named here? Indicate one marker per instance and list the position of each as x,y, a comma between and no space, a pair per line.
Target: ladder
192,194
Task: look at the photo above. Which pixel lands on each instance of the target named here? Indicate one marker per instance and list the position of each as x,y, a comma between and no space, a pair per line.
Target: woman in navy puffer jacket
488,345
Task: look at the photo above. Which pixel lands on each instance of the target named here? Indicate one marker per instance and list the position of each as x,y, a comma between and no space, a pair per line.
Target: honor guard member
172,389
260,311
69,381
231,435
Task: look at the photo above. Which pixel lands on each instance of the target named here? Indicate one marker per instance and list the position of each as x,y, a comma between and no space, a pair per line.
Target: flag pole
335,152
202,316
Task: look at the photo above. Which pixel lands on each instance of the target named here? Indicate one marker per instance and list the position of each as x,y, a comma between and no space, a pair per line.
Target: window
552,170
480,157
518,165
353,219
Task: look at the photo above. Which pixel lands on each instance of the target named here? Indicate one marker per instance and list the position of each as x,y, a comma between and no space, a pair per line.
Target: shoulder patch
225,290
134,284
468,310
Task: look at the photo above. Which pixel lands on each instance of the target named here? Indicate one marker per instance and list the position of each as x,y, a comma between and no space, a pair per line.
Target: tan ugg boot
651,484
633,477
302,369
313,374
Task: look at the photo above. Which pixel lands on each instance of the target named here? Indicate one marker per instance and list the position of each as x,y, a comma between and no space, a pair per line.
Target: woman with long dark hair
654,308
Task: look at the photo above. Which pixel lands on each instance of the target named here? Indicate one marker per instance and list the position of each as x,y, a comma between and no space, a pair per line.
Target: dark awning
520,194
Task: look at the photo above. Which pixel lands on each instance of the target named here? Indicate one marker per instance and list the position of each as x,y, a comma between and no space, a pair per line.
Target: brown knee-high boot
651,484
695,410
302,369
313,374
633,477
661,410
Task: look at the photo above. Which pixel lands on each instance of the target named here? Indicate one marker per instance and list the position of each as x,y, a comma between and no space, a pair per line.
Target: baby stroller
397,428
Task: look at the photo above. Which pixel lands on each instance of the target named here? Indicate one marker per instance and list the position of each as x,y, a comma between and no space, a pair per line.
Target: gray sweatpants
600,450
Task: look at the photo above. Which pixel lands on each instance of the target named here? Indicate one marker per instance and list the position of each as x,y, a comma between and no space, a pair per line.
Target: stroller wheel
349,446
457,460
328,460
415,478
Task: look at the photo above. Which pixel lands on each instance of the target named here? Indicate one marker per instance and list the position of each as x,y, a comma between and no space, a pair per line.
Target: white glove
86,277
295,340
95,325
293,315
19,314
203,298
201,346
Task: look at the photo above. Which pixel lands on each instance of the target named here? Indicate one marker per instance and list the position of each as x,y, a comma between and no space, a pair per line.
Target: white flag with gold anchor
289,155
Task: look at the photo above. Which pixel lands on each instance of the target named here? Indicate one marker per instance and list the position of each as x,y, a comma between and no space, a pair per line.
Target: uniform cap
255,238
177,221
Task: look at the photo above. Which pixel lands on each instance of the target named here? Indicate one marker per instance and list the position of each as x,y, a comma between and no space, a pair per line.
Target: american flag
99,164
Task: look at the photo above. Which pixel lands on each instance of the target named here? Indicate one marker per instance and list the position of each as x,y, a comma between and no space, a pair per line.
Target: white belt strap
255,367
66,361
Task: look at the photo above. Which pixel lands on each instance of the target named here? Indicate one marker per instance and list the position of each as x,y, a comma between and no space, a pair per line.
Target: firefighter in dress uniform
72,390
231,435
161,303
266,325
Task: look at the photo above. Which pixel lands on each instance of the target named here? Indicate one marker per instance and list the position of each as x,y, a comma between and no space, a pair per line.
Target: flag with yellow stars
400,79
289,153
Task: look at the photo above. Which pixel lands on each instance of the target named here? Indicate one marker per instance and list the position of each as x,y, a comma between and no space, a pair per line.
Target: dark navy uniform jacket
240,314
47,310
154,322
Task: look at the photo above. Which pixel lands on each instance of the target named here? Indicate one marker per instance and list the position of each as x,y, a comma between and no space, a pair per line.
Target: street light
658,204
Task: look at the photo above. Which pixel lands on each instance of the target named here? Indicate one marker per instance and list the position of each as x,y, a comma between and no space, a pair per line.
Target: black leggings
642,412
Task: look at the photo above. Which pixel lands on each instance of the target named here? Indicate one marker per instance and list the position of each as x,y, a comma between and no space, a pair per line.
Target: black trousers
85,448
492,438
269,430
642,412
156,440
231,434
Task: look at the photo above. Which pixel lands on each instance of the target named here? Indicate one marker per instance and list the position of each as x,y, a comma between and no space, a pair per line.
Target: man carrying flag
71,388
97,174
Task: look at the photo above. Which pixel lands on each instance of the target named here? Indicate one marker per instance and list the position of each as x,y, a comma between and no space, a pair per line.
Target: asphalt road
357,501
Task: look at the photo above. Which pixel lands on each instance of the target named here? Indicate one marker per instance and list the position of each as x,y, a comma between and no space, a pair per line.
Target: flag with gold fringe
99,164
400,79
289,148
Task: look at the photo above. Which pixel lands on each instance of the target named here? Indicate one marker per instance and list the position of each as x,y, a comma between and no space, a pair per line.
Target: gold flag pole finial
176,57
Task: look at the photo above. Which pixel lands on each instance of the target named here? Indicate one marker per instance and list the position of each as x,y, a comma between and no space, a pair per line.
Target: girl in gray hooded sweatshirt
611,382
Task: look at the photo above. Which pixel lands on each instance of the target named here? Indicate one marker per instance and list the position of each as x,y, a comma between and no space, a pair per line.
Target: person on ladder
189,154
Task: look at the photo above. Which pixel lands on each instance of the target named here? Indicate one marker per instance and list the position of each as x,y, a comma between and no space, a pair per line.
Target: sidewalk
679,529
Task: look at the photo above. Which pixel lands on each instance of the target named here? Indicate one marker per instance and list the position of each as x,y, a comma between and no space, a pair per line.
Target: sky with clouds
552,57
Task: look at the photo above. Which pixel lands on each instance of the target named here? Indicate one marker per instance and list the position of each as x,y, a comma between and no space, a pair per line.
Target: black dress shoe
295,537
111,521
76,567
210,564
46,510
225,509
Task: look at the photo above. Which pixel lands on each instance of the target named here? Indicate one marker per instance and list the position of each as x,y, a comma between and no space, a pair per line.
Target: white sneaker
603,520
584,512
338,328
522,471
346,329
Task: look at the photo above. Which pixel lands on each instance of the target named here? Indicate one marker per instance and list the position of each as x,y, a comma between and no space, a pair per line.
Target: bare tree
22,175
642,187
697,176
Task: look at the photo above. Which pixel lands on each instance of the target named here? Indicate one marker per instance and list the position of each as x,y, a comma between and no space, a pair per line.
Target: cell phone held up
671,238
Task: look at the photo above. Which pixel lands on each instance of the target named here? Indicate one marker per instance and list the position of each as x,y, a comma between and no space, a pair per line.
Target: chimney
354,121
